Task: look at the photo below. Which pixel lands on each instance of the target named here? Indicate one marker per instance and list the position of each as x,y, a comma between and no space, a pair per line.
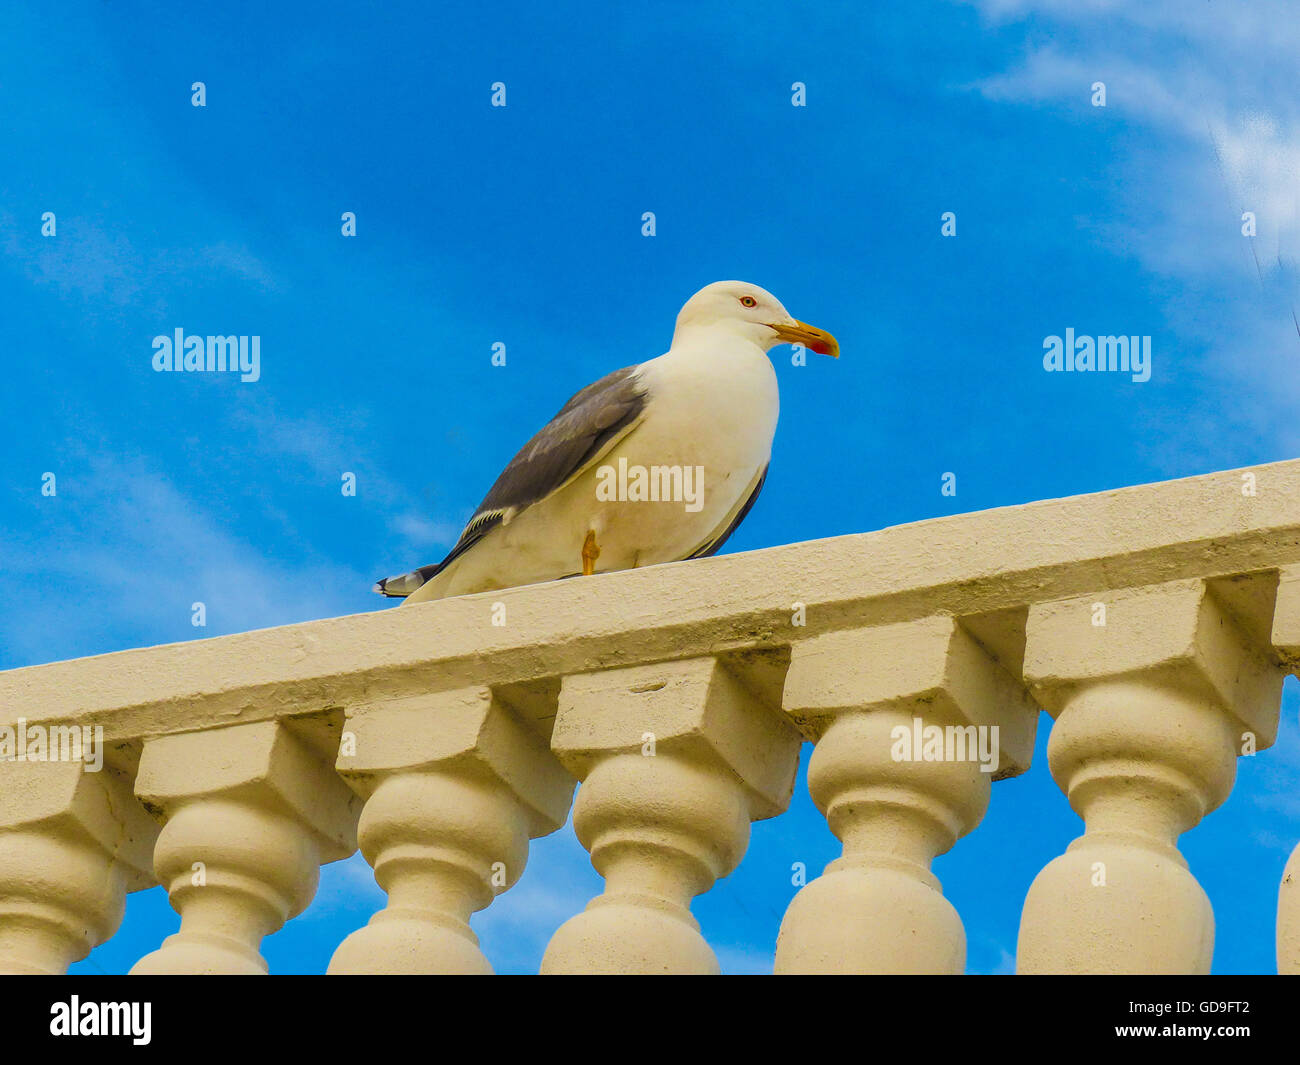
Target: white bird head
754,313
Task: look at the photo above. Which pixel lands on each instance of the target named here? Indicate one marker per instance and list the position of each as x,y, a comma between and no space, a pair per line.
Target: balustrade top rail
974,564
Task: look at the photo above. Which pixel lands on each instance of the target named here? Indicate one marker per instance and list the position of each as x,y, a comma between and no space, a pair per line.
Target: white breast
716,400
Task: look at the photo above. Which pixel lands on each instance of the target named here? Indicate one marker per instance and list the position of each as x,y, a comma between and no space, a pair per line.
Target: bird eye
748,301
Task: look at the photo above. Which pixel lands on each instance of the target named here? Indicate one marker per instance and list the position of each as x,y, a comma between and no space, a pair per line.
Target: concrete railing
1155,624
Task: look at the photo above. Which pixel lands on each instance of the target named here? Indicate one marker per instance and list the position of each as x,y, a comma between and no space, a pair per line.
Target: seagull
658,462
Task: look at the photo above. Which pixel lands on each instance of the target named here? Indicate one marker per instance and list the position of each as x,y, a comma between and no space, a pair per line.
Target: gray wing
732,522
586,426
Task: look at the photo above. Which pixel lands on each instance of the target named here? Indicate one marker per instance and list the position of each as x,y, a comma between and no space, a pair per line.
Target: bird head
754,313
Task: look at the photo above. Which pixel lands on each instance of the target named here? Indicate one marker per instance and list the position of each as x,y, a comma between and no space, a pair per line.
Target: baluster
868,697
1286,640
72,844
676,760
1153,699
455,786
251,812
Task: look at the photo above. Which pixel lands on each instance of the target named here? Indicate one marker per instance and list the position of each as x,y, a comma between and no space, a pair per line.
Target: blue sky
522,225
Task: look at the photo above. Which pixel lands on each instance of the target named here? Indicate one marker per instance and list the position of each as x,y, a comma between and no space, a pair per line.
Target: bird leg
590,552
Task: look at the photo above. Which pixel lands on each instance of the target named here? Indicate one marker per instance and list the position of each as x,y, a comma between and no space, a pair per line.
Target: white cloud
1208,75
1205,93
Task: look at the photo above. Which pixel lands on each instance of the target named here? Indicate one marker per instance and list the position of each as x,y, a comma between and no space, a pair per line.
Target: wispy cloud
556,884
136,554
1216,120
327,449
744,960
1207,75
1005,966
93,263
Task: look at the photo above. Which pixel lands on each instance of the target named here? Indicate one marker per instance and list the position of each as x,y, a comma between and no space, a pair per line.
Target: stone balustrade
1154,625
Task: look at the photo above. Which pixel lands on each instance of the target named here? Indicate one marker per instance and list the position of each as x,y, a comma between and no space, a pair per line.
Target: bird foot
590,552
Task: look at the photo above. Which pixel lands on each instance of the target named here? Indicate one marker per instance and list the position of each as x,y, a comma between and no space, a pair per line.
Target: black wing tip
425,573
380,587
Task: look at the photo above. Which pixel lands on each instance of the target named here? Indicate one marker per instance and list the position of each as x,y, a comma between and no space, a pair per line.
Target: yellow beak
809,336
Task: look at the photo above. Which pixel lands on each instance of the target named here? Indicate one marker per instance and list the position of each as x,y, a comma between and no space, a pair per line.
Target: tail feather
404,585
